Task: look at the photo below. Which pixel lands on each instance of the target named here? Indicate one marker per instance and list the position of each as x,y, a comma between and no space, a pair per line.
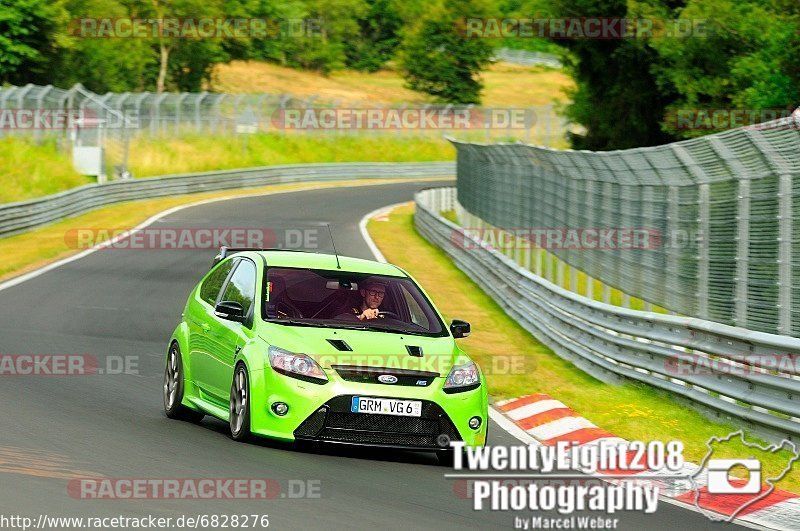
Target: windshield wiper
396,330
318,325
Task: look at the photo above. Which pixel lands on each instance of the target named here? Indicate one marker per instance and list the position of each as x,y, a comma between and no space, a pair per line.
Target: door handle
205,327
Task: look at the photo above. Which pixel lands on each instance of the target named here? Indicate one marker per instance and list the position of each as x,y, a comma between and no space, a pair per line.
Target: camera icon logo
722,496
719,478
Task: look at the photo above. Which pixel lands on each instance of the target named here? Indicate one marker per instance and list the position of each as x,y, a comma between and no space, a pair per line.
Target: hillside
506,85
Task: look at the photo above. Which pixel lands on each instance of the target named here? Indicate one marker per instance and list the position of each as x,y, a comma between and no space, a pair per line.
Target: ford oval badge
387,378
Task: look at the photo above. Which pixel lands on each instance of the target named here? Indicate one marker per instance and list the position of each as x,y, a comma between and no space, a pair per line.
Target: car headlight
462,378
299,366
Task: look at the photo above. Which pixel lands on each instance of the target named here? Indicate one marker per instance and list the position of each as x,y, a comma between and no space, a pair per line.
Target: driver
372,291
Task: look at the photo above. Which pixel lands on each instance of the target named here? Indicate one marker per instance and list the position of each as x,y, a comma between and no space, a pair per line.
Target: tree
102,64
331,23
618,98
32,34
184,60
377,38
746,59
437,58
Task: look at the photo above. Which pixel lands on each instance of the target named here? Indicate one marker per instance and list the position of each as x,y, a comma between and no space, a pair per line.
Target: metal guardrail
26,215
723,210
614,344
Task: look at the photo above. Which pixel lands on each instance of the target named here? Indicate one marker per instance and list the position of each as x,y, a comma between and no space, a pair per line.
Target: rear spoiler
225,252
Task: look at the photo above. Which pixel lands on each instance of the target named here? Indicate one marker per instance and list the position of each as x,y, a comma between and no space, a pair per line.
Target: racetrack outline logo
769,481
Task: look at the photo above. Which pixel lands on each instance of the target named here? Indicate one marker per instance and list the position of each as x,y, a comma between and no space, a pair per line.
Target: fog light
475,423
280,408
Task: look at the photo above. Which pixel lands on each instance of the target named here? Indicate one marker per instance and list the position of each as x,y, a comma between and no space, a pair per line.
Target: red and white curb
550,421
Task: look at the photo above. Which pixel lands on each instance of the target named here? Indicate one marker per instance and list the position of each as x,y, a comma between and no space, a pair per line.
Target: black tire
173,388
239,408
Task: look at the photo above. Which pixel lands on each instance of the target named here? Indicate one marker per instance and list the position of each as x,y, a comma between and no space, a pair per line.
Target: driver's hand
369,313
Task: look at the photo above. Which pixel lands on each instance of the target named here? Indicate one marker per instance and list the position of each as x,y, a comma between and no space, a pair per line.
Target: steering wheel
286,305
389,314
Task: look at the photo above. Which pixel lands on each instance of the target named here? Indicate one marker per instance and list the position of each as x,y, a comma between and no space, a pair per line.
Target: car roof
326,261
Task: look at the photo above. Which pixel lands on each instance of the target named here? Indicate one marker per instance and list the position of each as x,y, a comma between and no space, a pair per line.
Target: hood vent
340,345
414,351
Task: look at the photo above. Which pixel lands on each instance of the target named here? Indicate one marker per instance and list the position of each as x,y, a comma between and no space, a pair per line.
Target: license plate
386,406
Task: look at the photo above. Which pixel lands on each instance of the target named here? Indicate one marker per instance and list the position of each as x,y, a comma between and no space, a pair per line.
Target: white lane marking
536,408
55,265
512,429
501,420
560,427
782,515
362,227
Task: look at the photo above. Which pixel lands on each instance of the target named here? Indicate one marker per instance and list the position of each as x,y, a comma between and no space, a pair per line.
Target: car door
228,337
200,319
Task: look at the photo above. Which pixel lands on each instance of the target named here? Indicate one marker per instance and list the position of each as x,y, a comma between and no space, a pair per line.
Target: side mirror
459,328
232,311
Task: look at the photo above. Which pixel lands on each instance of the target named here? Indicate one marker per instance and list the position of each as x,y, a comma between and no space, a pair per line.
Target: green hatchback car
314,348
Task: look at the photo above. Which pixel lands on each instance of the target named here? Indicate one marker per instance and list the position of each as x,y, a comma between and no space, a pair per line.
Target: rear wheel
173,389
240,405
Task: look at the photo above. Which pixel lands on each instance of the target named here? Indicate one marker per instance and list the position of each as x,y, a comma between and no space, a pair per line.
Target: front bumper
335,423
322,413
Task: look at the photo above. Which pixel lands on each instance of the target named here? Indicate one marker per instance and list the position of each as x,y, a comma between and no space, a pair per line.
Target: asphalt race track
118,303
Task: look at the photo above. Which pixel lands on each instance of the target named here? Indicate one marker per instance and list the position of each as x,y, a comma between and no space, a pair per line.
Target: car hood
369,348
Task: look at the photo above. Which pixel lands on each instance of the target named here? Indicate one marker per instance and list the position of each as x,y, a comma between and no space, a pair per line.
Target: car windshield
339,299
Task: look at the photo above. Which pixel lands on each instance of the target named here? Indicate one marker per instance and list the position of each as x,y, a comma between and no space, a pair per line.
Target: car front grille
334,422
371,374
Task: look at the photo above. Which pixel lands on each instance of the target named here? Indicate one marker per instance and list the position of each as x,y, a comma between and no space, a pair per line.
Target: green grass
30,169
193,152
631,411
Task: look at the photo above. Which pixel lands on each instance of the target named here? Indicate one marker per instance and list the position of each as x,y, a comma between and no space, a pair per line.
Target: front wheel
240,405
173,389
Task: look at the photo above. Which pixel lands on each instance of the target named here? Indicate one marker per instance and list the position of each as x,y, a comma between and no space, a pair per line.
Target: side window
241,287
417,315
210,288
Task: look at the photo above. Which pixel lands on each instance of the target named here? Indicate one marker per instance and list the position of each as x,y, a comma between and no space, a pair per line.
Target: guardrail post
589,287
672,242
560,270
704,225
742,253
527,257
606,293
784,253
